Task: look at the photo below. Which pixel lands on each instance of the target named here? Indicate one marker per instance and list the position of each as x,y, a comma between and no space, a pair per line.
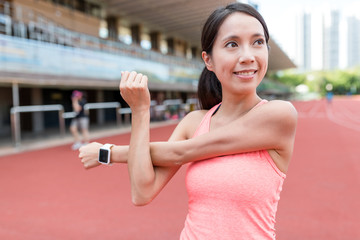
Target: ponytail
209,90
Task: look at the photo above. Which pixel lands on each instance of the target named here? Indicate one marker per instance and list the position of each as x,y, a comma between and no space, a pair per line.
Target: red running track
46,194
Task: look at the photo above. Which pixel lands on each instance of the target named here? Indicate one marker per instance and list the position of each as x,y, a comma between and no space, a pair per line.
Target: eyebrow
235,36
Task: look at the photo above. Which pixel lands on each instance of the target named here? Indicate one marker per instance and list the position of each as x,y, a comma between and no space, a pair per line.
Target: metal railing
15,118
158,112
104,105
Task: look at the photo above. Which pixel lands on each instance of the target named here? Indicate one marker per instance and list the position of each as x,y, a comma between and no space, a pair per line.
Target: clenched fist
134,90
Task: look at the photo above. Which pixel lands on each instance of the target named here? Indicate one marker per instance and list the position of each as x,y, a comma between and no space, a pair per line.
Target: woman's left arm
271,126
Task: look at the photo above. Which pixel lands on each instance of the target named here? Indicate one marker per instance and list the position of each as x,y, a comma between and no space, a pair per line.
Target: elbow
140,201
142,195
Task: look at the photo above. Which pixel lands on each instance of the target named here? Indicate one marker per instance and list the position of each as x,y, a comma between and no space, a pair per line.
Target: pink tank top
233,196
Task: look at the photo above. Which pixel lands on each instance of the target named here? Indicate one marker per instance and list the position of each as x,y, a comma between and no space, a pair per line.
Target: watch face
103,156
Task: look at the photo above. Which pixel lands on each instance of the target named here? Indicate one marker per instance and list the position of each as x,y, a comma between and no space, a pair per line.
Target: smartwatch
104,154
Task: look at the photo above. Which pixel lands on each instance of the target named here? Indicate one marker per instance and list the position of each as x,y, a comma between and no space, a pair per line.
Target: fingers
137,80
144,81
124,77
132,79
134,90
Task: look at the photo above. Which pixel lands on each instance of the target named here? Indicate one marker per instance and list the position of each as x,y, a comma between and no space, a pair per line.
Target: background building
353,40
331,40
327,40
304,50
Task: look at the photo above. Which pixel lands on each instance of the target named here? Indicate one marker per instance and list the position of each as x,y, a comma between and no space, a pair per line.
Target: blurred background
48,48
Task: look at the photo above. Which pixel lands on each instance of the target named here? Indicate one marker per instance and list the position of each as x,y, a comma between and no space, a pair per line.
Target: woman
80,121
246,142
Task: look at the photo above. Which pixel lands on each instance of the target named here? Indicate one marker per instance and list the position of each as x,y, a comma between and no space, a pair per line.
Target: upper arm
269,126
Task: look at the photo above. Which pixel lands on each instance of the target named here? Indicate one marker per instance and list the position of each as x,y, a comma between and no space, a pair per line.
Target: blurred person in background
80,123
238,147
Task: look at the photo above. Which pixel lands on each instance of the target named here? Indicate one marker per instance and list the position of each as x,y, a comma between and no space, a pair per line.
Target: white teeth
245,73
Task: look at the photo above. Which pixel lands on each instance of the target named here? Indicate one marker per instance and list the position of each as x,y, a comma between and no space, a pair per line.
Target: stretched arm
270,126
146,179
133,89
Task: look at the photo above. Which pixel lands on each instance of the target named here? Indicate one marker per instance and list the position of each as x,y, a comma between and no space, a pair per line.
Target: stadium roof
181,19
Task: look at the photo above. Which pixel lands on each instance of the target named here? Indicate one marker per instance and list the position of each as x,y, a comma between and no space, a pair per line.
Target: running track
46,194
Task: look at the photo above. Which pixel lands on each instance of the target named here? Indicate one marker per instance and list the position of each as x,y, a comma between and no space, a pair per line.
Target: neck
232,109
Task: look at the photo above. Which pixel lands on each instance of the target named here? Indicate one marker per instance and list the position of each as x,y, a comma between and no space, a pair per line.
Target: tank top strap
263,101
204,125
205,122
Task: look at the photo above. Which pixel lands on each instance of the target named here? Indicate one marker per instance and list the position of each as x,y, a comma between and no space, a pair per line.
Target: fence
158,112
15,118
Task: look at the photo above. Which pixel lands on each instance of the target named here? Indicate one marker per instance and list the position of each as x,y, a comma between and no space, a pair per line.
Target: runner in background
238,146
80,123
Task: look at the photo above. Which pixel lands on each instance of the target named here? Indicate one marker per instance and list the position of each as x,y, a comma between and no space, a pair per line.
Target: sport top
82,113
232,196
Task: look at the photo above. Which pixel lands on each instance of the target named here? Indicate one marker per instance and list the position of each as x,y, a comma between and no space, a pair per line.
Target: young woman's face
240,55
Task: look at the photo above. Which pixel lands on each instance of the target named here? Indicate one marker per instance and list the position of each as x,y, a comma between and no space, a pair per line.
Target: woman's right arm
143,191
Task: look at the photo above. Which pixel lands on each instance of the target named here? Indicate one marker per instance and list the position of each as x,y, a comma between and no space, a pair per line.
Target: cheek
263,61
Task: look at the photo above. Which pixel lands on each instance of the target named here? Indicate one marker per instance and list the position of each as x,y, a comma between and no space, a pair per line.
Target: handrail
37,108
15,118
89,106
104,105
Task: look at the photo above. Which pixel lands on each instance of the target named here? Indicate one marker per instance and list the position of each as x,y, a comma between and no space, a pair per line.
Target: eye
259,42
231,44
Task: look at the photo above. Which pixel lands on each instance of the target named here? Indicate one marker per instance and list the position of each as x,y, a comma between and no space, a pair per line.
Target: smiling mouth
245,73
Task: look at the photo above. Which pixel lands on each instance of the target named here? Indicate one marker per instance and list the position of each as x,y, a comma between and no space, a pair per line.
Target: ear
207,60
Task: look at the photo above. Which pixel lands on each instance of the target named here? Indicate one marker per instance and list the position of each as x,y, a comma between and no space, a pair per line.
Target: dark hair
209,88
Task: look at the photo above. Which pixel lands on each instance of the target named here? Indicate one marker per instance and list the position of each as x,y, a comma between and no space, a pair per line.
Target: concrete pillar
171,46
100,113
15,119
185,47
15,94
37,117
136,34
194,53
112,25
155,38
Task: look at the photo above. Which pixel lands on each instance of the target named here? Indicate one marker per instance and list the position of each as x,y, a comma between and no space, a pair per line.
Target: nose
246,55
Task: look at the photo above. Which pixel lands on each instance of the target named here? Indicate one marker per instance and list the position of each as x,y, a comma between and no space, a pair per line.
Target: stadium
49,48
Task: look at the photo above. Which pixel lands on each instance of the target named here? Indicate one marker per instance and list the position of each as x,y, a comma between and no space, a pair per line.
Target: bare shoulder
188,125
280,105
192,121
195,115
285,111
278,115
279,110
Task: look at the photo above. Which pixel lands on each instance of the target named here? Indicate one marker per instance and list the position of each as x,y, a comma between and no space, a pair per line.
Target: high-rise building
331,39
305,42
353,41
